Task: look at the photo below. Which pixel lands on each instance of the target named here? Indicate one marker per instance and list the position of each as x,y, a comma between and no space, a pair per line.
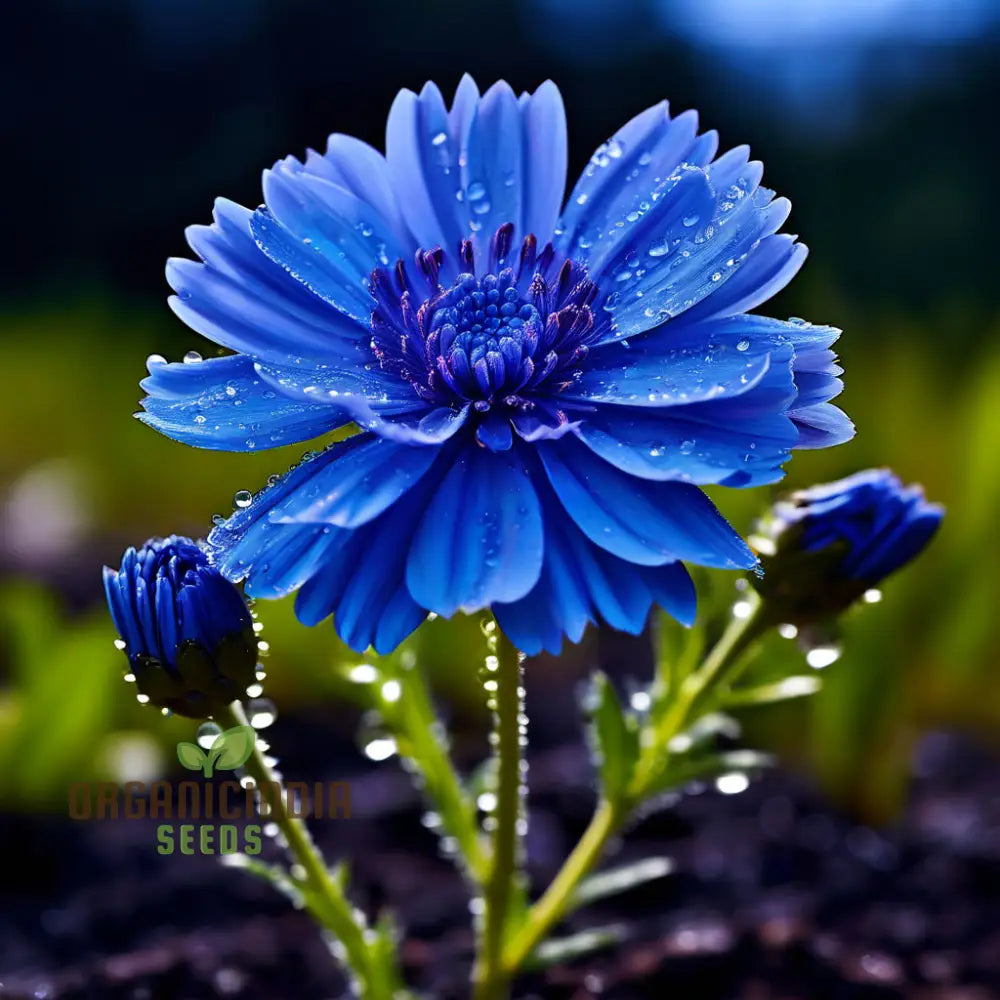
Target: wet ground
773,897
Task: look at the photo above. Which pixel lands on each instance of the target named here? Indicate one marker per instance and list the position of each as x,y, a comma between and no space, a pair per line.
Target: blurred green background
876,119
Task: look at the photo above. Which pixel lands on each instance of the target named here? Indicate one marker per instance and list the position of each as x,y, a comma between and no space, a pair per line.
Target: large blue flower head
186,629
825,546
540,396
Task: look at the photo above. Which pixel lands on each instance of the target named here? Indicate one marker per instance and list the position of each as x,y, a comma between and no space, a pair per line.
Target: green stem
553,904
442,785
719,665
490,977
323,896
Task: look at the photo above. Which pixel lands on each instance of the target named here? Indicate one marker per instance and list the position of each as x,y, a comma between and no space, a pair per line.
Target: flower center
492,339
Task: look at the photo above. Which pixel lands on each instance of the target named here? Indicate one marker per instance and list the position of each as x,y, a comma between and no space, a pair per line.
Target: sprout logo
230,750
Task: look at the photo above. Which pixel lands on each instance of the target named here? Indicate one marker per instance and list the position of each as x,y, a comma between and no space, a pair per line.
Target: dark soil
773,896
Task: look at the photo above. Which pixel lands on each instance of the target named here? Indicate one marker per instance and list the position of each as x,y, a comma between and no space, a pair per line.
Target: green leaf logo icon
230,750
233,747
191,756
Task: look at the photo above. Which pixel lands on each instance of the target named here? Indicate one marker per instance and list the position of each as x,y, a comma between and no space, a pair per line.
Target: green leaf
560,950
614,738
233,747
191,756
798,686
619,880
276,875
698,767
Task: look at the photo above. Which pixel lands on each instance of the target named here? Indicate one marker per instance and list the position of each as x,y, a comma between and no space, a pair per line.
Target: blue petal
121,613
166,621
490,160
356,574
222,404
822,426
645,522
916,523
240,299
363,580
704,442
363,395
581,583
363,477
325,236
693,239
677,364
769,267
480,539
624,171
361,170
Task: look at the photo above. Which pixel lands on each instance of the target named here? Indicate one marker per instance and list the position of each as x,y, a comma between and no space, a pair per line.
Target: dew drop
207,732
120,644
243,499
192,358
743,345
262,713
822,656
732,784
380,749
363,673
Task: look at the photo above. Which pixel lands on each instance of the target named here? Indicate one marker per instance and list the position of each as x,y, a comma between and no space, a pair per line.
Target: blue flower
186,629
824,546
540,395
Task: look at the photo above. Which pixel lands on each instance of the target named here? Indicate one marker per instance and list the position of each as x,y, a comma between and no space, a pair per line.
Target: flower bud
187,630
823,547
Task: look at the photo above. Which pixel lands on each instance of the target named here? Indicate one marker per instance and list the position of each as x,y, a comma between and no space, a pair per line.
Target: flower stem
323,896
609,816
490,977
720,665
553,904
429,754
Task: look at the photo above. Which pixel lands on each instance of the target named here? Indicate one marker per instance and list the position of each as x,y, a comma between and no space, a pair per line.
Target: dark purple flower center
498,337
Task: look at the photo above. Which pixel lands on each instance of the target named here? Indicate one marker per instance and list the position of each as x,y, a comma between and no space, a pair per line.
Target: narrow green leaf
619,880
233,747
191,756
274,874
798,686
614,738
698,767
567,949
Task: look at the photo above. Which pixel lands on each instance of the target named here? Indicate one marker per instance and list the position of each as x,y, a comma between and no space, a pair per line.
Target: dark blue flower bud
187,631
823,547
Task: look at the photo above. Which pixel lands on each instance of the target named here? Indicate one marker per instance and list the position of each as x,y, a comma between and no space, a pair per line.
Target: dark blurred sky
124,118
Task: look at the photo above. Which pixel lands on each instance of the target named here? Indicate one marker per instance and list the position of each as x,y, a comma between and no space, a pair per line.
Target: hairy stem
719,665
323,897
490,977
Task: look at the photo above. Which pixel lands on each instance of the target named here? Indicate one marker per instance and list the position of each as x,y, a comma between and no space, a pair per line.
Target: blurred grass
925,656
